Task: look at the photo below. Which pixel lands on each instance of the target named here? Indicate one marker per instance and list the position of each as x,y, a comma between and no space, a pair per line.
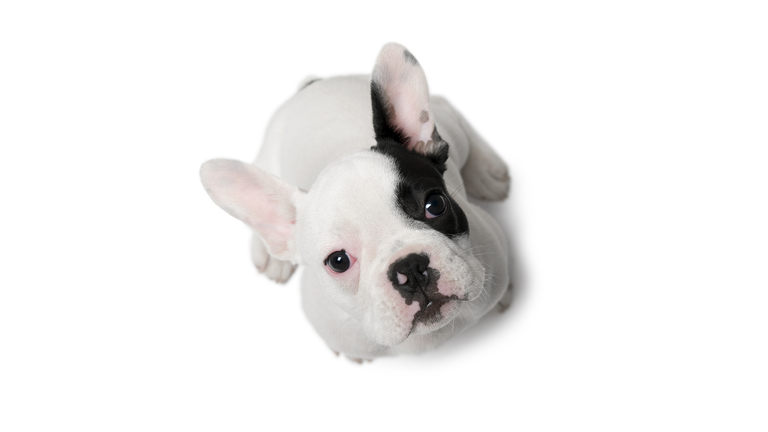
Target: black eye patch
421,181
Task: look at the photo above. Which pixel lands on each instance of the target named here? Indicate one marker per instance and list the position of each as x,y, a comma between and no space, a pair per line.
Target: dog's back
321,122
328,118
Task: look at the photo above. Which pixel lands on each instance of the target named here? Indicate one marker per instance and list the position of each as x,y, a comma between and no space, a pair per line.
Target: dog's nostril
410,273
402,279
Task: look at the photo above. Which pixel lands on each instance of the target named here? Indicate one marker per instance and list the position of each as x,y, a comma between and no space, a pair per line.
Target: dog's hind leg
273,268
485,175
506,299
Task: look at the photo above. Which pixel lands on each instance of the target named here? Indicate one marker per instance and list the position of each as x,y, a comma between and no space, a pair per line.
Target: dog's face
389,246
380,230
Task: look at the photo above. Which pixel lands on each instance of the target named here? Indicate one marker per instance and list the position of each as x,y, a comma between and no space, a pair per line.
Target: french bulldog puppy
364,181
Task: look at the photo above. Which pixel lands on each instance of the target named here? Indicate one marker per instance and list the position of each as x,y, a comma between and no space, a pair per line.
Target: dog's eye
435,206
339,261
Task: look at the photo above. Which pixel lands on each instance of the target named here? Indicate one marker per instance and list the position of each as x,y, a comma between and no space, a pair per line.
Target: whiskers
453,194
475,247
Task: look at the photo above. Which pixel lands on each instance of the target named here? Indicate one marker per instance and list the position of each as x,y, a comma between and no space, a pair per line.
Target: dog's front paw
358,360
486,176
277,270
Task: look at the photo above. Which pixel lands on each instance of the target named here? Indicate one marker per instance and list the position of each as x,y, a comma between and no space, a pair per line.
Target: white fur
319,141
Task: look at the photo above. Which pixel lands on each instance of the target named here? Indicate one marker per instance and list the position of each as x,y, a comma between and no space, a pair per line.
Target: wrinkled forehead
362,184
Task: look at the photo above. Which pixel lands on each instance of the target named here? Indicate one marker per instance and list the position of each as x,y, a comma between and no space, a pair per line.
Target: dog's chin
436,315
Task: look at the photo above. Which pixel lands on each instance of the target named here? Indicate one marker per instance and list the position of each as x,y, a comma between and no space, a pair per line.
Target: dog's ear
264,202
400,101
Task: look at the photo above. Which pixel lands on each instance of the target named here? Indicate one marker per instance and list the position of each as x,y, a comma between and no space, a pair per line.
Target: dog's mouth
417,282
430,312
420,285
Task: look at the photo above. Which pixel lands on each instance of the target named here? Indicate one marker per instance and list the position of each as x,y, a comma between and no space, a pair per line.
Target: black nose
410,275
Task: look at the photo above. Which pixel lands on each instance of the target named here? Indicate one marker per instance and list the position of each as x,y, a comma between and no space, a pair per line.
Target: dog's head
386,240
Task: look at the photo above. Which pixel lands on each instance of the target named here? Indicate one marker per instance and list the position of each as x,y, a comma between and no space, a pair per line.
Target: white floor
637,138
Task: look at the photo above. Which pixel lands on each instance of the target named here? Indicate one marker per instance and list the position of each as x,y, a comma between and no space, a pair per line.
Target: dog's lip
431,313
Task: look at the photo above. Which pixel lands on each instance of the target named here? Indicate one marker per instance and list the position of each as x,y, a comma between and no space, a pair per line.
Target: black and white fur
346,167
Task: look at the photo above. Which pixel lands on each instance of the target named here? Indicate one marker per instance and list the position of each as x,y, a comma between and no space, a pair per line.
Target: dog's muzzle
415,280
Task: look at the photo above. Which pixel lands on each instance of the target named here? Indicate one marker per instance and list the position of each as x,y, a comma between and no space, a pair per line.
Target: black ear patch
383,117
439,154
436,150
410,58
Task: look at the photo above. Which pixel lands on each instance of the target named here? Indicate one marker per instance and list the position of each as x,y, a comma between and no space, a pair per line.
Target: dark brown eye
435,206
338,261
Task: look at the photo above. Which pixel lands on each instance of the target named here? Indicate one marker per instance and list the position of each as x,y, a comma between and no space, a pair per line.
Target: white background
636,135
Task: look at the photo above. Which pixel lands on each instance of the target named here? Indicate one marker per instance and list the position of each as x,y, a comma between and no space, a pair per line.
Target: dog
364,181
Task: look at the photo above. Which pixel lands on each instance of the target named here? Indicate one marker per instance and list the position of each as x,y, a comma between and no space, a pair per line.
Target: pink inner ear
410,110
270,216
262,201
404,87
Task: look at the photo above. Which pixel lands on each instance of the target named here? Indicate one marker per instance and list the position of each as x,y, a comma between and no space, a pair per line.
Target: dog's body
384,274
